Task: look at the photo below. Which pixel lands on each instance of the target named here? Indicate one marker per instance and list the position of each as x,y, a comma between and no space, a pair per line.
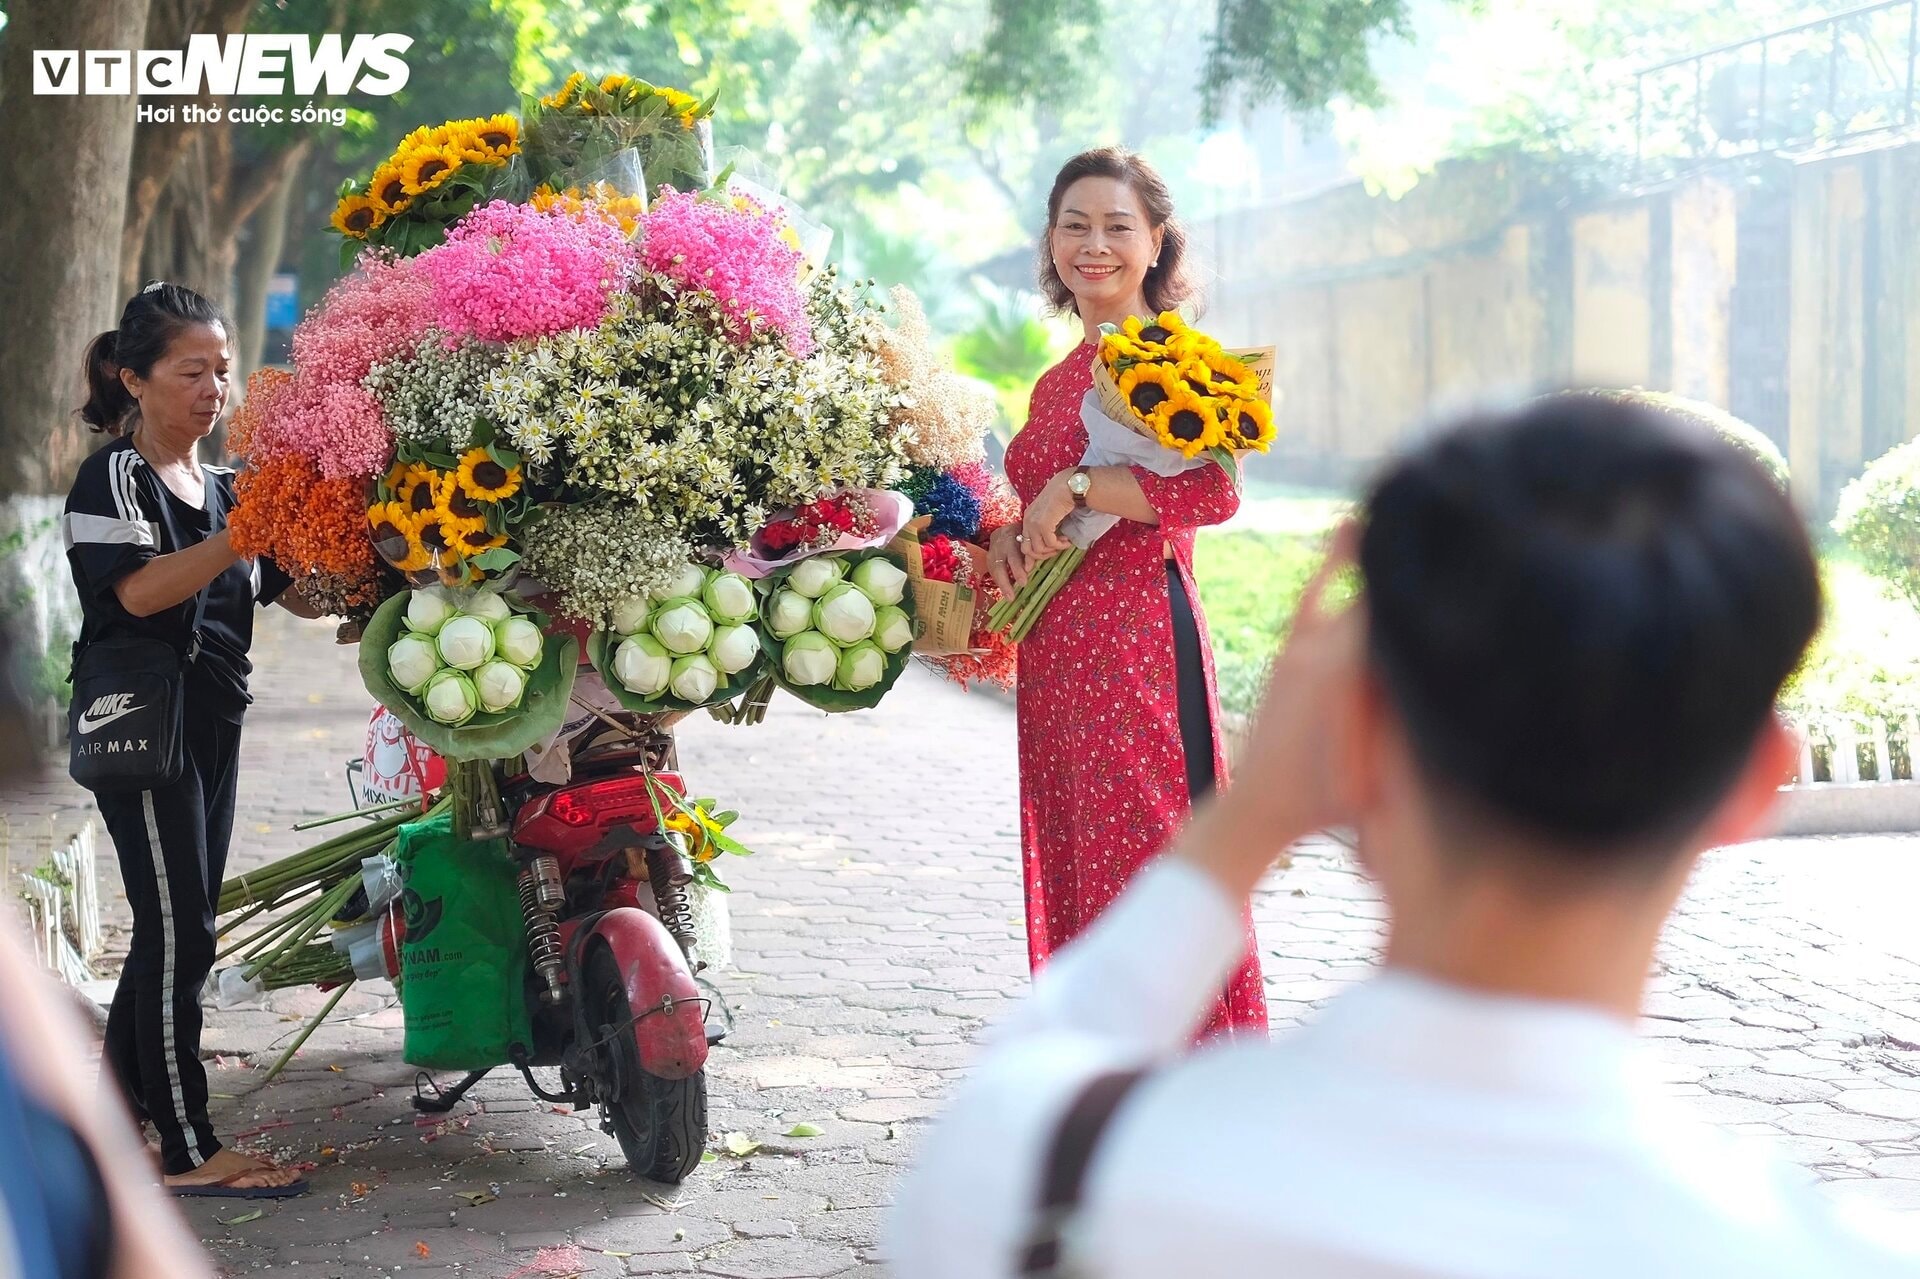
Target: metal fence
1822,82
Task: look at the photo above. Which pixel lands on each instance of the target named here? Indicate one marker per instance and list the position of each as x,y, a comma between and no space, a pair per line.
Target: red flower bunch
818,525
941,562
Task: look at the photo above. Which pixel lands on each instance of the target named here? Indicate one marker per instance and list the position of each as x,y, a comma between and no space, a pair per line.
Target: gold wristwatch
1080,483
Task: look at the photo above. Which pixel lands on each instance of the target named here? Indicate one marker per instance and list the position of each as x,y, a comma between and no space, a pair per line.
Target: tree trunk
61,284
161,146
260,248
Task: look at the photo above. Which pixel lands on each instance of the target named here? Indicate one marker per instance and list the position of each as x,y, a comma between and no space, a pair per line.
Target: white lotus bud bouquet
464,653
693,642
839,627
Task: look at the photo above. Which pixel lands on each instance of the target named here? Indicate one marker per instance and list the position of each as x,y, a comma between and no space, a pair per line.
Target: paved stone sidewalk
876,932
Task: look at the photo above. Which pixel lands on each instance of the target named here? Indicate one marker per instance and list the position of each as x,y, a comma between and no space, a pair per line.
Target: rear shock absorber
541,896
668,874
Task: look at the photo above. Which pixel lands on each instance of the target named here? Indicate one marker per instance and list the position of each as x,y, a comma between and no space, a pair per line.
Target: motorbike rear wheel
661,1124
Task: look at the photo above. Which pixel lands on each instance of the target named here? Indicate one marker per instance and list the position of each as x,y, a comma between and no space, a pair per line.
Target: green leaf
728,844
726,819
444,461
244,1218
504,456
803,1130
739,1144
498,735
497,560
708,1157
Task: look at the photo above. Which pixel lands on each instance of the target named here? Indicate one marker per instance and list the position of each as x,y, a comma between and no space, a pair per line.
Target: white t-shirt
1413,1131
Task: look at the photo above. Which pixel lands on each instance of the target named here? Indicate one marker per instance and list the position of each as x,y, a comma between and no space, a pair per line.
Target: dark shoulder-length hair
152,319
1169,282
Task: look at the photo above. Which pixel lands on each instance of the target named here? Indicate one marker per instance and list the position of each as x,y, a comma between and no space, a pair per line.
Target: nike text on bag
124,723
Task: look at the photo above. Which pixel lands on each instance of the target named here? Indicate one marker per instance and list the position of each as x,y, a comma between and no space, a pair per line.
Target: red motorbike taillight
611,801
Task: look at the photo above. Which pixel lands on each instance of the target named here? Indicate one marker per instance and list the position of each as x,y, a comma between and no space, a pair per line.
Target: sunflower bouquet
1166,397
452,519
1182,389
432,179
574,134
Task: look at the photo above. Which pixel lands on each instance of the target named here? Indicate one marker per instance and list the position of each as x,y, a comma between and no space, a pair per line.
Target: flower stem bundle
1016,614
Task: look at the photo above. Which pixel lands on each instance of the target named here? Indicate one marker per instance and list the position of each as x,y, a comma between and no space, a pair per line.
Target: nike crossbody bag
124,726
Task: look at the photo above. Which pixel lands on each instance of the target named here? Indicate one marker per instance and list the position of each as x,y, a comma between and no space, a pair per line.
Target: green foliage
1007,347
1866,659
1250,586
1879,518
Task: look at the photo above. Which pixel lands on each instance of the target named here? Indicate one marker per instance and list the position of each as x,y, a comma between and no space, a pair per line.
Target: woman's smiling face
1102,244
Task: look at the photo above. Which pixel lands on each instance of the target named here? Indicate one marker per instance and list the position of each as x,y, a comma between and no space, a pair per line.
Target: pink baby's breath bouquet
739,252
512,271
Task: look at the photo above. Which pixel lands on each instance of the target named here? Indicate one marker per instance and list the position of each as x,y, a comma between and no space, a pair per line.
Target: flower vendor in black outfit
147,541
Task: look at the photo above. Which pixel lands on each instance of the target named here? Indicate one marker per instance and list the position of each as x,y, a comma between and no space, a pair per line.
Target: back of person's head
155,316
1582,613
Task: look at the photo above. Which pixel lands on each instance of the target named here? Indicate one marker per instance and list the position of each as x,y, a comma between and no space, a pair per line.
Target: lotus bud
411,662
814,577
428,610
729,598
642,665
892,629
465,643
688,581
810,659
630,615
683,626
861,667
880,579
499,685
488,606
789,614
450,698
844,614
694,678
519,641
734,648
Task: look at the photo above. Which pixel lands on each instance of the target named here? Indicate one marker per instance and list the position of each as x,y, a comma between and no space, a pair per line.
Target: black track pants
172,845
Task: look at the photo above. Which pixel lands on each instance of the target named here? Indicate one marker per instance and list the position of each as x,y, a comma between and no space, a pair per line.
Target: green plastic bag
463,965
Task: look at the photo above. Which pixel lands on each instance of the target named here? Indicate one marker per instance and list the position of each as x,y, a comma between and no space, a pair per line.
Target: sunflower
484,479
685,105
1149,385
419,550
1188,422
1221,374
615,84
499,134
1118,348
1149,337
417,555
1249,424
389,522
428,167
387,188
458,511
567,92
697,828
468,543
356,215
418,488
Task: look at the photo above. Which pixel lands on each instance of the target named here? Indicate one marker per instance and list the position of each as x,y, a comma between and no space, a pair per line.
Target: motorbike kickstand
445,1099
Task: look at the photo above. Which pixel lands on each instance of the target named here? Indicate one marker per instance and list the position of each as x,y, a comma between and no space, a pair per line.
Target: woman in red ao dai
1118,716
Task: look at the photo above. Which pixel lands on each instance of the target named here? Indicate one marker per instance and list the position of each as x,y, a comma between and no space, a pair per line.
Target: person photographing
1556,690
